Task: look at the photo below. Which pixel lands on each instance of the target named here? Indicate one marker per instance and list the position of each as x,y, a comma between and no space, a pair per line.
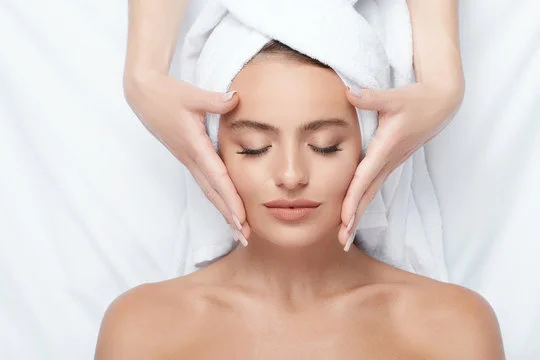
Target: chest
301,336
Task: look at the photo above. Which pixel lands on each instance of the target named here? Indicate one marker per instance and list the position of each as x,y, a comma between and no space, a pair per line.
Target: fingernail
241,238
237,222
228,96
349,242
355,90
233,231
350,224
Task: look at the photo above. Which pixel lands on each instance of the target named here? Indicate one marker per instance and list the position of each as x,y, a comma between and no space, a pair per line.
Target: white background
91,204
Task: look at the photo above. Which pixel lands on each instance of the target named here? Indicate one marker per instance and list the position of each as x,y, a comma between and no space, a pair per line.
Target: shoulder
142,322
449,321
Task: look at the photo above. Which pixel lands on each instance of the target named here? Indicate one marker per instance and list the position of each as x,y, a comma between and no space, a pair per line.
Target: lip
291,210
297,203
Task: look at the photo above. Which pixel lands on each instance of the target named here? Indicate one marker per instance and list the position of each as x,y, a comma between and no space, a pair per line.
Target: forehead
287,93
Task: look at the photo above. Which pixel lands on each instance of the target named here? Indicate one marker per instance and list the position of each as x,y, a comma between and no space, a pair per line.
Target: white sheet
91,204
486,168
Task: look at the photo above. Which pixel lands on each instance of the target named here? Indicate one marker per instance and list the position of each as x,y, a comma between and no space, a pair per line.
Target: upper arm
128,326
474,331
462,326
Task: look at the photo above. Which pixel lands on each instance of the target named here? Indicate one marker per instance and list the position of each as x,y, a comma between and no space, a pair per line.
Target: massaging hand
173,111
409,117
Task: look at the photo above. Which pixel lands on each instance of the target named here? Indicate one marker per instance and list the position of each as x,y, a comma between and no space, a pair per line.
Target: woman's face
294,136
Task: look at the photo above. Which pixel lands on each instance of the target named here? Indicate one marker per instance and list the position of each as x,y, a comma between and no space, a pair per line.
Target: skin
293,293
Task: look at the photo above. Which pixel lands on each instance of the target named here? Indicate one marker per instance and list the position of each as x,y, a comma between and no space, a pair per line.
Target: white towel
368,44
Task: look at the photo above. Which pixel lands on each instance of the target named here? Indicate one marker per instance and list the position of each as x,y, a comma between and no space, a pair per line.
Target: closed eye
254,152
326,150
322,150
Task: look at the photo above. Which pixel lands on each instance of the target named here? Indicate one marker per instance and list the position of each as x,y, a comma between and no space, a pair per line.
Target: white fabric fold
369,45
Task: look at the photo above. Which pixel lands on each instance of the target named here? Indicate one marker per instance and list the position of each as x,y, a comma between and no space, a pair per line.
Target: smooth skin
293,293
213,315
173,110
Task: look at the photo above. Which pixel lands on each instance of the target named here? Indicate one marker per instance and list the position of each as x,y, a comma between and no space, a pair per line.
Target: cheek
243,181
334,180
246,177
246,174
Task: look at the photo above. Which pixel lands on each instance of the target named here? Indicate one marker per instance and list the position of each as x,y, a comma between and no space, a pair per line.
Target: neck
298,275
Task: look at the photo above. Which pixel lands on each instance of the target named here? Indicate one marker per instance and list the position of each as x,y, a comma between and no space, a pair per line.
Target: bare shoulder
149,321
449,321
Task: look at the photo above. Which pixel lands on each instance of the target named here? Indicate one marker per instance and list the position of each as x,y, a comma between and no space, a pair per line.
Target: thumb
371,99
211,101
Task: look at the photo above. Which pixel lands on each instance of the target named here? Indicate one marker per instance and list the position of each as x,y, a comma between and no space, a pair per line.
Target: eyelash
258,152
254,152
326,150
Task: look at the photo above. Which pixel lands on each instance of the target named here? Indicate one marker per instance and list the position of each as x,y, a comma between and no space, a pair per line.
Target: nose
292,171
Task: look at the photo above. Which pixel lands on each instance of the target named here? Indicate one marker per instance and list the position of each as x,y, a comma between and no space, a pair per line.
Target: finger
218,202
403,159
430,138
371,99
368,196
210,164
210,101
371,192
377,184
372,164
366,199
211,194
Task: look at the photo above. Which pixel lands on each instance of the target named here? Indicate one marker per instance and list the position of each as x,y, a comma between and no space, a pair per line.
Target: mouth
291,210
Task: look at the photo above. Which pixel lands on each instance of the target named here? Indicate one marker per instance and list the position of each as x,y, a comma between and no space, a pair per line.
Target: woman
293,293
408,117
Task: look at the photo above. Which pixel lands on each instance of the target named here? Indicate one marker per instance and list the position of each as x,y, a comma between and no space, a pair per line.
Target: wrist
136,80
450,87
444,96
133,73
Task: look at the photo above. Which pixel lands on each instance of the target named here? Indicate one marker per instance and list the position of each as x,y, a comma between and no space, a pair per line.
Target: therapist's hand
173,111
409,117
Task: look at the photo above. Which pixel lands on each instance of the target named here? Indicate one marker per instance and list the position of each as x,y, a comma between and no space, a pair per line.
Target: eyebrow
307,127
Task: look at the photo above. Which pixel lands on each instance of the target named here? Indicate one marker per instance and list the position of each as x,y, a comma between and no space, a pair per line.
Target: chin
296,235
287,239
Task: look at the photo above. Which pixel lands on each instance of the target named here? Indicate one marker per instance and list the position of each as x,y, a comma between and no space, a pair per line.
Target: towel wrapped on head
369,45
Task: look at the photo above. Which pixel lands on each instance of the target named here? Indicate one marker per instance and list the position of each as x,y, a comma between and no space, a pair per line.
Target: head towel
369,45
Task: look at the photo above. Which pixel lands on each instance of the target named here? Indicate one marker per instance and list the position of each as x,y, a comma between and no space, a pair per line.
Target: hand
409,117
173,111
